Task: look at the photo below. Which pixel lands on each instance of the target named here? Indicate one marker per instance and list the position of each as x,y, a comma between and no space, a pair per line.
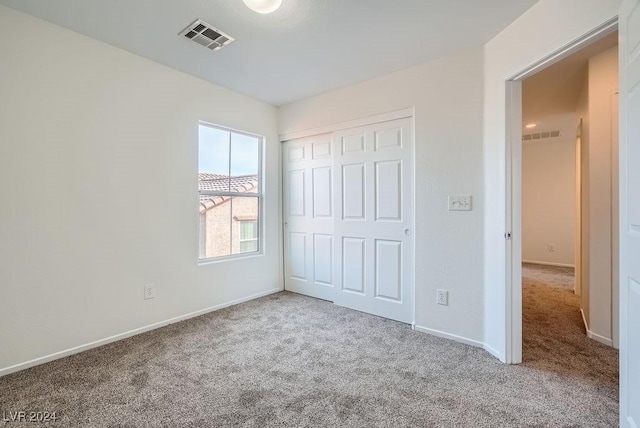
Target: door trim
355,123
513,187
597,33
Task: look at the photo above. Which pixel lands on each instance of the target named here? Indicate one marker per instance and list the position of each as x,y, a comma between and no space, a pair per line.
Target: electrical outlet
149,291
443,297
459,203
551,248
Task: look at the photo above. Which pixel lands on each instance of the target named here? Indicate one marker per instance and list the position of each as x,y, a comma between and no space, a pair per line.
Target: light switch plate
149,291
443,297
459,203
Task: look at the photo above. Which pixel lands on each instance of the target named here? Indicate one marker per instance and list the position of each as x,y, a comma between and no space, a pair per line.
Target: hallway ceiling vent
206,35
540,136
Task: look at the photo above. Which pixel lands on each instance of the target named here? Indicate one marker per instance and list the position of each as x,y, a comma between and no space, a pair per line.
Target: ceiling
550,97
305,48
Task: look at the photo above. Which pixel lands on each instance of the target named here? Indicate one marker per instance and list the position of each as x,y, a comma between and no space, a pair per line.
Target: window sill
234,257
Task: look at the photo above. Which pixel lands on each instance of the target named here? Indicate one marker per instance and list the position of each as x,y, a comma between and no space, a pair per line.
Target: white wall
549,201
447,96
555,24
98,165
598,205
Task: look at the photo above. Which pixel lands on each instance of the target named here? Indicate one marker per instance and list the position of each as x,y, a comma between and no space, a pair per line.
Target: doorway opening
569,207
516,134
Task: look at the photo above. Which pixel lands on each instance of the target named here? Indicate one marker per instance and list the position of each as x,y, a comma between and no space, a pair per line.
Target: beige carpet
554,276
554,337
292,361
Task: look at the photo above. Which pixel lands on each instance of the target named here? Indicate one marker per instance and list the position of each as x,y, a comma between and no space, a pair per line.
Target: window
230,190
248,236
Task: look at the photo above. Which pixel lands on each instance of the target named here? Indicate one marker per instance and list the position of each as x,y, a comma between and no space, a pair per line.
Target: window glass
229,186
244,155
248,236
213,157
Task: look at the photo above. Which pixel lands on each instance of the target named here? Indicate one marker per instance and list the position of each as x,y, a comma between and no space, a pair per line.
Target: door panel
388,279
323,259
353,265
296,152
633,353
321,150
298,259
296,193
308,216
389,190
322,189
388,138
353,192
633,152
629,27
373,234
353,143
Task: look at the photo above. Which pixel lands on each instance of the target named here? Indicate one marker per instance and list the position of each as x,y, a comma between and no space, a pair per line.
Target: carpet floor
288,360
554,276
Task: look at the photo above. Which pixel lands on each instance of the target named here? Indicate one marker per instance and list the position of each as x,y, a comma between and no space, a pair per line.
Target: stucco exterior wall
221,226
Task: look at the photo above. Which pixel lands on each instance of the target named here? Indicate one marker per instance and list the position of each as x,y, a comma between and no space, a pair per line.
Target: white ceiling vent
206,35
540,135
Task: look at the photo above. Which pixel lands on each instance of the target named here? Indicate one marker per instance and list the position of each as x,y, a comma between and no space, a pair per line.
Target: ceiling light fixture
531,126
263,6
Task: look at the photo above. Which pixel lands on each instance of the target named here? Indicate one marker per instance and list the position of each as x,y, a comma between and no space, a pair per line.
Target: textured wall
447,97
99,169
549,201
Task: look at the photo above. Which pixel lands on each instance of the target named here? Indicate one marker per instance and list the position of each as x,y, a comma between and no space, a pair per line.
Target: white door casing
373,225
513,235
629,27
308,216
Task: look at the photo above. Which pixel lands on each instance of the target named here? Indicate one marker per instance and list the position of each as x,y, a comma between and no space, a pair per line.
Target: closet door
309,216
373,219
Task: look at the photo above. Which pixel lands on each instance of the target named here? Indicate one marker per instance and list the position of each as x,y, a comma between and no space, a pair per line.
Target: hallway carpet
554,336
293,361
554,276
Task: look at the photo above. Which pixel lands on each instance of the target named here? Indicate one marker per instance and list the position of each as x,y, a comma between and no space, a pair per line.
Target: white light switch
459,203
149,291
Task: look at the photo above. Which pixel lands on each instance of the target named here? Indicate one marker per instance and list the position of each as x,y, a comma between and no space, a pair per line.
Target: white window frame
259,194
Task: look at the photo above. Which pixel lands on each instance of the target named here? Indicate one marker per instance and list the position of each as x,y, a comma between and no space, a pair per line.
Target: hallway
554,338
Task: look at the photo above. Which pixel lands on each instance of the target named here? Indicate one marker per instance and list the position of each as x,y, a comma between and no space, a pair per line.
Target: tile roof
223,183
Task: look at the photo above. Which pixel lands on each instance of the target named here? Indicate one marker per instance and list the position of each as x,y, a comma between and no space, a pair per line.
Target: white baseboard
534,262
76,350
493,352
595,336
449,336
584,320
598,338
459,339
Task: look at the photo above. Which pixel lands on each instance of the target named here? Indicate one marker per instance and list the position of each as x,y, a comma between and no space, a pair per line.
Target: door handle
407,232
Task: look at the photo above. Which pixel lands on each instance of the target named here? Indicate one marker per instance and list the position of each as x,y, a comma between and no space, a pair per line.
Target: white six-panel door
348,201
629,27
309,216
374,219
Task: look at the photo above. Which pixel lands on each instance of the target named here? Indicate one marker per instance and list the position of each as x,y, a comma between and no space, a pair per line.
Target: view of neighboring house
228,224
